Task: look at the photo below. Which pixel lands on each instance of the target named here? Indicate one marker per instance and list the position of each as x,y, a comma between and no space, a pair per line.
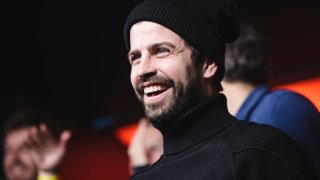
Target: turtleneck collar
196,125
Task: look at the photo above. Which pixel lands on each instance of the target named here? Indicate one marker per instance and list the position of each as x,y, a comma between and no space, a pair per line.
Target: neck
236,93
199,123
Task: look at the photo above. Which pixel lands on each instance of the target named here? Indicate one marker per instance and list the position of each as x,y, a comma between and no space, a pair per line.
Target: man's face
18,164
162,73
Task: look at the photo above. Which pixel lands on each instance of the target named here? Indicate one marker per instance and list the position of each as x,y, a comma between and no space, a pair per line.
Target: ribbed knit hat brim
202,23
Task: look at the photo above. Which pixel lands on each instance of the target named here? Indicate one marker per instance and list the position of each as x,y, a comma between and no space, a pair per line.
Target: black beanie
205,24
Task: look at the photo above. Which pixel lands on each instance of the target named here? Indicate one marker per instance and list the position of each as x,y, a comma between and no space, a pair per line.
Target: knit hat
205,24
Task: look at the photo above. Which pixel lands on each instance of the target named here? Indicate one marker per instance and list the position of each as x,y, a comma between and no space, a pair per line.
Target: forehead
146,33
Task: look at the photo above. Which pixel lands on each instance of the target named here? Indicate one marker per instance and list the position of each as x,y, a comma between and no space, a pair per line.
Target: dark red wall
95,156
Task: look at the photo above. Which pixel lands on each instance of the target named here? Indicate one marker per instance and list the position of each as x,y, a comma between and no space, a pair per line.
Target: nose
146,67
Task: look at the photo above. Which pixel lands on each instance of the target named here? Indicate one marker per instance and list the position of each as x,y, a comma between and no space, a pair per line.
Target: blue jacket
288,111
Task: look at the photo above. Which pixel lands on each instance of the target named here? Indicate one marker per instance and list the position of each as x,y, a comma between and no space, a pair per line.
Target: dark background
69,58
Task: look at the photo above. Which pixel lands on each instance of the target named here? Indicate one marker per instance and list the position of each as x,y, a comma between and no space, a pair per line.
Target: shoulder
245,135
250,134
283,98
264,148
257,147
281,105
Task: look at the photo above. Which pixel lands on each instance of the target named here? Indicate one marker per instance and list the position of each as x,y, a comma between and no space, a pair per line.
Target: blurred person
251,99
32,151
145,148
176,51
4,111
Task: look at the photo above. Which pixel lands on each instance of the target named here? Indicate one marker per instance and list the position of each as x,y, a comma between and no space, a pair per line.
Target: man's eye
134,57
161,50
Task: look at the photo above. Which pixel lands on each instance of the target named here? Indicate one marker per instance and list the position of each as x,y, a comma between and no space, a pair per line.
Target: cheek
22,157
26,158
133,78
176,72
10,155
7,160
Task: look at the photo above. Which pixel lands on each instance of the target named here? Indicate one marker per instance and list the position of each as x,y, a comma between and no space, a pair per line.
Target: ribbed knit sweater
209,143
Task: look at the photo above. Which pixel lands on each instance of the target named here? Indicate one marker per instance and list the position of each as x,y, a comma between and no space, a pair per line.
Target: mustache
155,79
17,163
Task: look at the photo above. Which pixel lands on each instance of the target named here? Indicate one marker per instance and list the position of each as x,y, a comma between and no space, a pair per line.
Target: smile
155,93
154,90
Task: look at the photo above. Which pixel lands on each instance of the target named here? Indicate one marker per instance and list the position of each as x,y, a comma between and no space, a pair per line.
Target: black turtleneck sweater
209,143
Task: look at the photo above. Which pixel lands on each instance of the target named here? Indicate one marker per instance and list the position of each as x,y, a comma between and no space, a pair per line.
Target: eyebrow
161,44
152,46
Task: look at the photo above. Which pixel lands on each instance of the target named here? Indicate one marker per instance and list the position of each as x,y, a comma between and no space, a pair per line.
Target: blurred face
18,164
162,73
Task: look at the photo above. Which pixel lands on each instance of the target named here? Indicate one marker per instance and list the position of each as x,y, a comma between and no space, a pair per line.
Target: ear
209,69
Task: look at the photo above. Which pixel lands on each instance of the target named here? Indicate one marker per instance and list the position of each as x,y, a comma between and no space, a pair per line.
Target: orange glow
310,88
125,134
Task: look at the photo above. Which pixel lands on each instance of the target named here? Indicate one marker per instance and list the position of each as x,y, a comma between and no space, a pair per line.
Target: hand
47,151
136,150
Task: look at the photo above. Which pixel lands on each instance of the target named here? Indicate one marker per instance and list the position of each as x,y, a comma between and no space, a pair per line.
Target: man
176,51
31,150
146,146
251,99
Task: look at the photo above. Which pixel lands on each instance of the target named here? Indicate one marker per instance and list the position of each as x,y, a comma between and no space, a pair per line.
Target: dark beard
165,113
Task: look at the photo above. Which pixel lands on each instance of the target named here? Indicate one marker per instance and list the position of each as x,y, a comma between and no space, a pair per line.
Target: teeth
152,89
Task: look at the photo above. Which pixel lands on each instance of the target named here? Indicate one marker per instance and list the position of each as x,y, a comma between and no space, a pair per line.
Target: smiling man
176,51
169,83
